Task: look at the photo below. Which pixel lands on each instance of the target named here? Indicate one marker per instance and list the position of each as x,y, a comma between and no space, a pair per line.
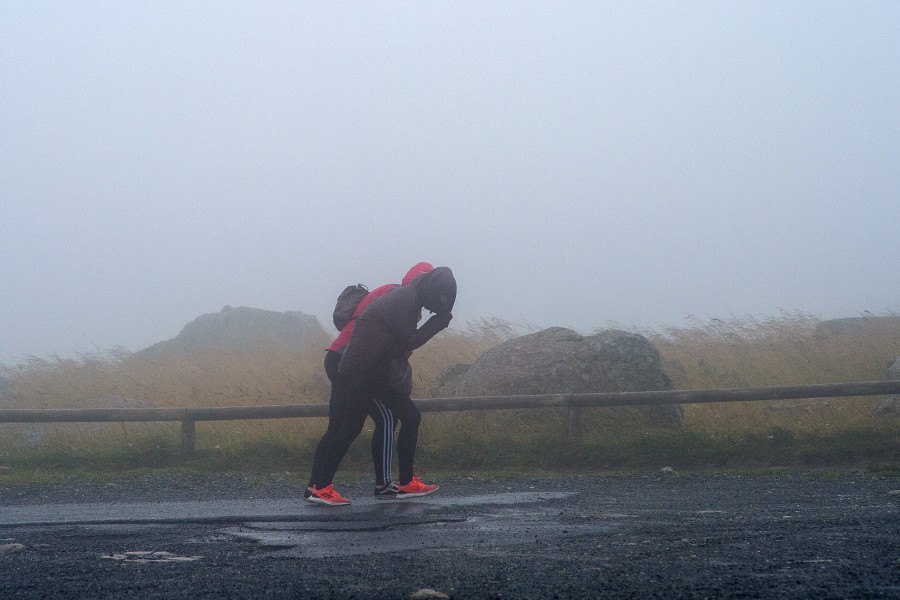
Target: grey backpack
346,304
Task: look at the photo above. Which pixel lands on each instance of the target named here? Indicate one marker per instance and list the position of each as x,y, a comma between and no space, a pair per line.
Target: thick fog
575,164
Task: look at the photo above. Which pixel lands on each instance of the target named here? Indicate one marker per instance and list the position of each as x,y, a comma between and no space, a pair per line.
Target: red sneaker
415,488
327,496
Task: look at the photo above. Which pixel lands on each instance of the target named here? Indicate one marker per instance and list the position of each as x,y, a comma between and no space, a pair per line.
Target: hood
418,269
436,291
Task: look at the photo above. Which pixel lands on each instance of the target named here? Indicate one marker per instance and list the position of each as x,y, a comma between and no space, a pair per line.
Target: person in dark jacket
386,330
385,423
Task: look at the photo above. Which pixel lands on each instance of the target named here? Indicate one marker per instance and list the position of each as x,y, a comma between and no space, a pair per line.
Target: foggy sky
575,163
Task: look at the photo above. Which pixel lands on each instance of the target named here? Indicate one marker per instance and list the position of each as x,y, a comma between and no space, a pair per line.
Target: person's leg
359,397
409,416
382,442
337,412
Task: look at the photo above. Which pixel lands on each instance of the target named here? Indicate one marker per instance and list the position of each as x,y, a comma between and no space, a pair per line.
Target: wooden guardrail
573,402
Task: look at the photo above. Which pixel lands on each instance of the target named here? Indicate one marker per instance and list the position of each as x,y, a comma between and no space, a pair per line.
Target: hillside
243,329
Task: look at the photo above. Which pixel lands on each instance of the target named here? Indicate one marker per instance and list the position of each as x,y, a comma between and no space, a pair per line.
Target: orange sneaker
327,496
415,488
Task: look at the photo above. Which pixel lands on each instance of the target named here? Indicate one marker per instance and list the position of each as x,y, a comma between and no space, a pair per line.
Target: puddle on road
497,520
148,556
494,499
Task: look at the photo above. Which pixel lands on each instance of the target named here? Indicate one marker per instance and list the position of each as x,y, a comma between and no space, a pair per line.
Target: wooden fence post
188,427
573,420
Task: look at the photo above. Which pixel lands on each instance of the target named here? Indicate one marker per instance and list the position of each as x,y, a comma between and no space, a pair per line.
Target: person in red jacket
385,423
385,330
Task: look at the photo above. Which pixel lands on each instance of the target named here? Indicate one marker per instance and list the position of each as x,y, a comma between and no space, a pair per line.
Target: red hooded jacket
341,341
388,328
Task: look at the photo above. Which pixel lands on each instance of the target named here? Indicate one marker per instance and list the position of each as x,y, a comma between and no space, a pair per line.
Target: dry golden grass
272,375
222,377
782,350
738,352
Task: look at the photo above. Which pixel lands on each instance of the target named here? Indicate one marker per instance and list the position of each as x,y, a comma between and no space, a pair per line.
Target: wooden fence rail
574,403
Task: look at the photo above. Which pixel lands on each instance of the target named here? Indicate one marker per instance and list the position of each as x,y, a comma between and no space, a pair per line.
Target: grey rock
7,388
893,370
244,329
560,360
889,406
428,593
10,548
857,325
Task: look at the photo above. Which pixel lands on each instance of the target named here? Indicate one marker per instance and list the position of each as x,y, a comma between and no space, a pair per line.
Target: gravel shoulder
790,535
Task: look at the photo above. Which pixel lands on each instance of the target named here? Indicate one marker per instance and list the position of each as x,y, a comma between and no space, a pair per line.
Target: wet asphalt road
644,536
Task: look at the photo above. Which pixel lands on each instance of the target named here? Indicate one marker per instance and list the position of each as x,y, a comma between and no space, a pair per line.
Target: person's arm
432,327
399,312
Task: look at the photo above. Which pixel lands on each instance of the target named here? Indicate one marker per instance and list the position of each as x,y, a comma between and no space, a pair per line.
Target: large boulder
244,329
560,360
866,325
7,388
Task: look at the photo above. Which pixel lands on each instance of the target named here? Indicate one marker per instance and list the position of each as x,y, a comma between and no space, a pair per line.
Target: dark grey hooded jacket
388,327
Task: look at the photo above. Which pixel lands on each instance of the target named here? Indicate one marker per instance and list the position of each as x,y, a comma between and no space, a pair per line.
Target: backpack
347,303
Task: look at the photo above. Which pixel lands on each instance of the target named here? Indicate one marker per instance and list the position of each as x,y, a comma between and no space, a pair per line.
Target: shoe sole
401,495
323,502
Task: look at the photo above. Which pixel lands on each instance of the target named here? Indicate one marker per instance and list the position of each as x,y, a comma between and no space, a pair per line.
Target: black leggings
360,396
339,409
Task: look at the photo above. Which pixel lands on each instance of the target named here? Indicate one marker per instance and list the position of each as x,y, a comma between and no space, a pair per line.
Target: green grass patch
485,451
